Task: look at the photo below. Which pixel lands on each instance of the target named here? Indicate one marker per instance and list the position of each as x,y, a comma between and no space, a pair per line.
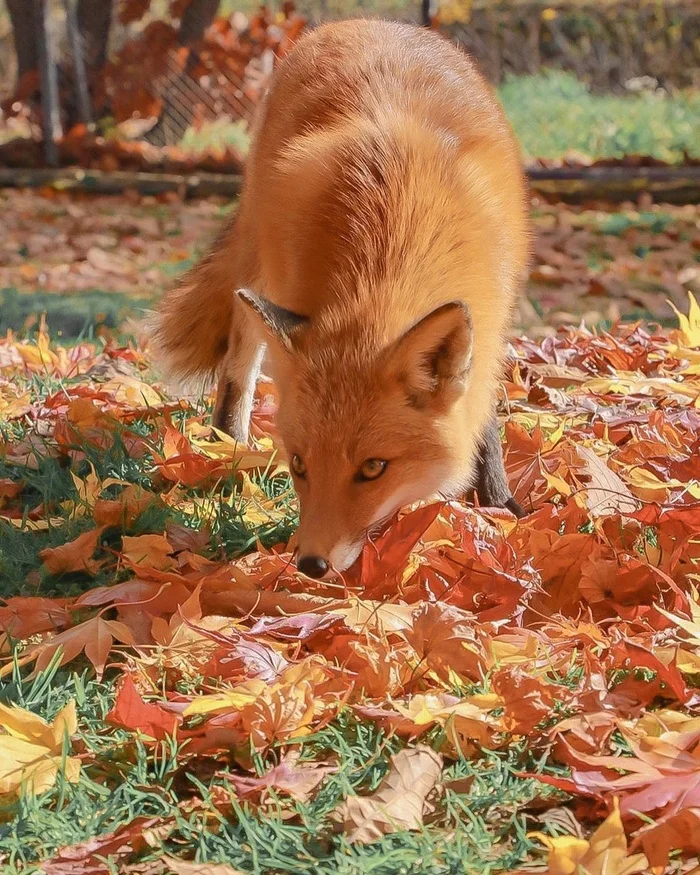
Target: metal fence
157,83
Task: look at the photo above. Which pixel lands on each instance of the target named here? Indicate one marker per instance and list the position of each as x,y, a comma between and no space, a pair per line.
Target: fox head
365,421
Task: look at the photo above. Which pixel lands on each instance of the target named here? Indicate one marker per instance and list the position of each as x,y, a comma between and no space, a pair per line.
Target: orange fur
383,182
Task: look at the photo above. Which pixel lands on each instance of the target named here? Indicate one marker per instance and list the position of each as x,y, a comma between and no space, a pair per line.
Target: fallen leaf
605,853
32,751
398,803
605,493
88,857
131,712
75,555
181,867
96,637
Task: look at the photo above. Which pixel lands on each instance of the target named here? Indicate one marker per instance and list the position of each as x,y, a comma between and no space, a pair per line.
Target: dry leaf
400,800
605,492
180,867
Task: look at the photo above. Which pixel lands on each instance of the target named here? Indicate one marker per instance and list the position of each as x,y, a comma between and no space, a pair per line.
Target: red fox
377,250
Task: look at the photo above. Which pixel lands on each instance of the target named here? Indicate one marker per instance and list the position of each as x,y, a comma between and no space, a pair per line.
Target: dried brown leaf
400,800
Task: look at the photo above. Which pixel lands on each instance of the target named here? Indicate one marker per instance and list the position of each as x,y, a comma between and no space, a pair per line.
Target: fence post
51,111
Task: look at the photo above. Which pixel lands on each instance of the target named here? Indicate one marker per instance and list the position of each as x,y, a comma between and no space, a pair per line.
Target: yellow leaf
89,490
34,525
231,700
31,750
689,326
133,392
565,853
147,551
605,853
642,479
258,509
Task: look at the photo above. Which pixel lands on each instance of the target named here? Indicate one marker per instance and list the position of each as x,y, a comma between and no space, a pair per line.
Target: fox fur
377,251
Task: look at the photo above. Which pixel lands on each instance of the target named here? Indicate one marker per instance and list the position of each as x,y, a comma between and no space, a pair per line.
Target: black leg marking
491,481
224,404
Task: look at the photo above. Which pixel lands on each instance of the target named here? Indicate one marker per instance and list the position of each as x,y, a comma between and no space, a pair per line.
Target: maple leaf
75,555
124,510
96,637
605,853
257,508
605,492
400,800
676,832
131,712
88,857
32,750
89,489
144,552
444,641
663,775
289,777
527,699
22,617
689,326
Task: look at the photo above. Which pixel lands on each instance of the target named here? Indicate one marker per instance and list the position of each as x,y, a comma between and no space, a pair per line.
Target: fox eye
371,469
298,467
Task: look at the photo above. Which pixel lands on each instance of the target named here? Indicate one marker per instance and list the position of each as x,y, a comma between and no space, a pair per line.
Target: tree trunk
197,18
82,91
177,113
24,35
94,21
50,106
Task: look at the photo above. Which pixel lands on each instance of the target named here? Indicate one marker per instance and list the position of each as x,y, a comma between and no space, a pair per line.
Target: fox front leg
491,481
238,374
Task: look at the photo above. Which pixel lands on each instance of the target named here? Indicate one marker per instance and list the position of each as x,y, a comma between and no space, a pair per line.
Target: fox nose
312,566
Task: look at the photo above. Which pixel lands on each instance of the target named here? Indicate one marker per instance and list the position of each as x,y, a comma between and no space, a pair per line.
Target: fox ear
433,358
281,323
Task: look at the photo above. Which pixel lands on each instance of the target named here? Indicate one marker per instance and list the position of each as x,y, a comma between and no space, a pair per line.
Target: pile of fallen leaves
476,692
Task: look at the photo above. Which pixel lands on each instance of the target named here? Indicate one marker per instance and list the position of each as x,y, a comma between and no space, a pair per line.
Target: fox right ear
433,359
281,323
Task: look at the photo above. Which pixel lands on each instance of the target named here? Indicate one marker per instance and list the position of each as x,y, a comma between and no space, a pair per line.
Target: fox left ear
433,358
282,324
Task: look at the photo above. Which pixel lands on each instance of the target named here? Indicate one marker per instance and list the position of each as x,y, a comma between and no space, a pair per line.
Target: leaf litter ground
476,695
97,260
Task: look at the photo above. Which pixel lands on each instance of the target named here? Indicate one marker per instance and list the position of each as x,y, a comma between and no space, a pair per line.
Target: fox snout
319,560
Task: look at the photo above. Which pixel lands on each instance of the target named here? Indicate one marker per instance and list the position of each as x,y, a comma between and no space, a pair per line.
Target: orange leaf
75,555
131,712
96,637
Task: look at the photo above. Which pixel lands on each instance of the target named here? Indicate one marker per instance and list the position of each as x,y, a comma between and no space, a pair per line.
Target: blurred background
124,126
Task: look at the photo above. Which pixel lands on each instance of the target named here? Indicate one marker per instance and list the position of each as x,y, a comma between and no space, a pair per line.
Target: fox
373,262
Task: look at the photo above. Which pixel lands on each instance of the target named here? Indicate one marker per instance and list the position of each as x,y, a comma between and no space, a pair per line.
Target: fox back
379,244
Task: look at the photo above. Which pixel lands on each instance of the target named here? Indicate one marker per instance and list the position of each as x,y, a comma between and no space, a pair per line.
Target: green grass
482,830
69,316
553,112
